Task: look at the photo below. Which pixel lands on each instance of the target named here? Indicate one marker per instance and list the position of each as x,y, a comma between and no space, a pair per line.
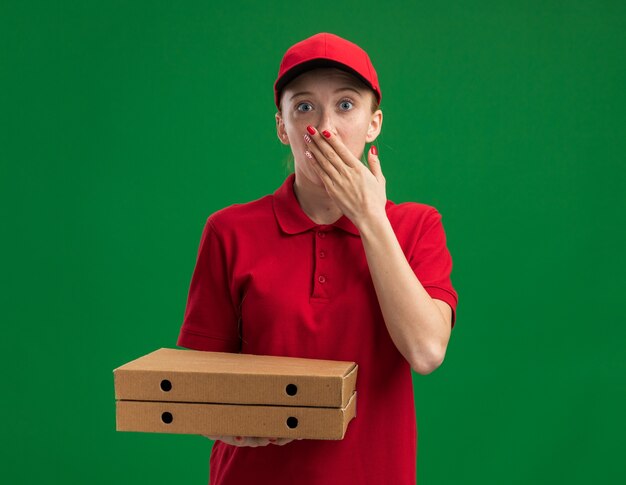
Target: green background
125,124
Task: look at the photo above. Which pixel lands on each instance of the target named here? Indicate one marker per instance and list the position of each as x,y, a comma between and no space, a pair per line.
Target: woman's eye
346,102
303,104
346,105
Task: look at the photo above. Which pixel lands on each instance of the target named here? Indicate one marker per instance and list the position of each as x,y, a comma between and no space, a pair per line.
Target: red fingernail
238,438
373,150
326,133
310,129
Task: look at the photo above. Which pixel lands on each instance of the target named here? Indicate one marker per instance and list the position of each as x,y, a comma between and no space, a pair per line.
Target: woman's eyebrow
336,91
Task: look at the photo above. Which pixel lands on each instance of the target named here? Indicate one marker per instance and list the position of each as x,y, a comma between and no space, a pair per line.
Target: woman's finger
283,441
338,147
328,182
326,167
329,161
251,441
374,163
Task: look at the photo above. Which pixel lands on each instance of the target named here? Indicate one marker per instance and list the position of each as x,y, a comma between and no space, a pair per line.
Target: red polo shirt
268,280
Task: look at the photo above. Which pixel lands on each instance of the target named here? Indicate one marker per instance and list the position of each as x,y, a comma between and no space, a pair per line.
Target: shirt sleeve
211,321
432,263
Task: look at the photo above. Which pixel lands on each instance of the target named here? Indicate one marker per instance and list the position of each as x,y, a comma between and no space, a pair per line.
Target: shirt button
322,254
322,279
321,234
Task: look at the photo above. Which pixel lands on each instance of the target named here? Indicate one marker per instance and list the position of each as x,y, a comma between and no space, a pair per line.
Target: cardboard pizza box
222,377
220,393
236,419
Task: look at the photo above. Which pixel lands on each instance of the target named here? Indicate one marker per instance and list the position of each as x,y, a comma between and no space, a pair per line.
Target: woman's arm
414,320
419,325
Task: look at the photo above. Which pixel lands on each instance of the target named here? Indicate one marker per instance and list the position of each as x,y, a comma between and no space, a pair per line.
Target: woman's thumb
374,162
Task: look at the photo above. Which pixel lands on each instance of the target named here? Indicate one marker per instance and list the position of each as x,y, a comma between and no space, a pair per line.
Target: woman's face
328,99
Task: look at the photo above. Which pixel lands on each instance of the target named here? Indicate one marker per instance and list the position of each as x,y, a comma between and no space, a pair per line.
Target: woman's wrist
373,224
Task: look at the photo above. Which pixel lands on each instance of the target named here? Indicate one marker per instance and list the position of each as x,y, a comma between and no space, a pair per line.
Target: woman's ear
280,130
376,124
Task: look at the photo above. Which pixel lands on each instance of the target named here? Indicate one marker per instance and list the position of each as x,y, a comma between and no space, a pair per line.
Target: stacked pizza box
228,394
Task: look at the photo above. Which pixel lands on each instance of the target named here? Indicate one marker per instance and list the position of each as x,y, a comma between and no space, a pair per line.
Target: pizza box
222,393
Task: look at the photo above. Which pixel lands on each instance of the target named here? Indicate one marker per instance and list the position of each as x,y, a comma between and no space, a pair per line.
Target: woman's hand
250,441
359,193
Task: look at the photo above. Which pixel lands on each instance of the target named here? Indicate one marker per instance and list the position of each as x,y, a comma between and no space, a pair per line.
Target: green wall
125,124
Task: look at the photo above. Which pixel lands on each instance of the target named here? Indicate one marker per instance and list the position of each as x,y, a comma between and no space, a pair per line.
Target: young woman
326,267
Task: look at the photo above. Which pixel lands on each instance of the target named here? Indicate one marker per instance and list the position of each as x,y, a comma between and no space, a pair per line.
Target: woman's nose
325,120
326,123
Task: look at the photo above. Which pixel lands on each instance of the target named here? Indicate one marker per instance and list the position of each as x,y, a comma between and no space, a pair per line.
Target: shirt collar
292,219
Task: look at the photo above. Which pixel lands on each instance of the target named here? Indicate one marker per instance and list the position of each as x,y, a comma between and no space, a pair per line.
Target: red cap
325,50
